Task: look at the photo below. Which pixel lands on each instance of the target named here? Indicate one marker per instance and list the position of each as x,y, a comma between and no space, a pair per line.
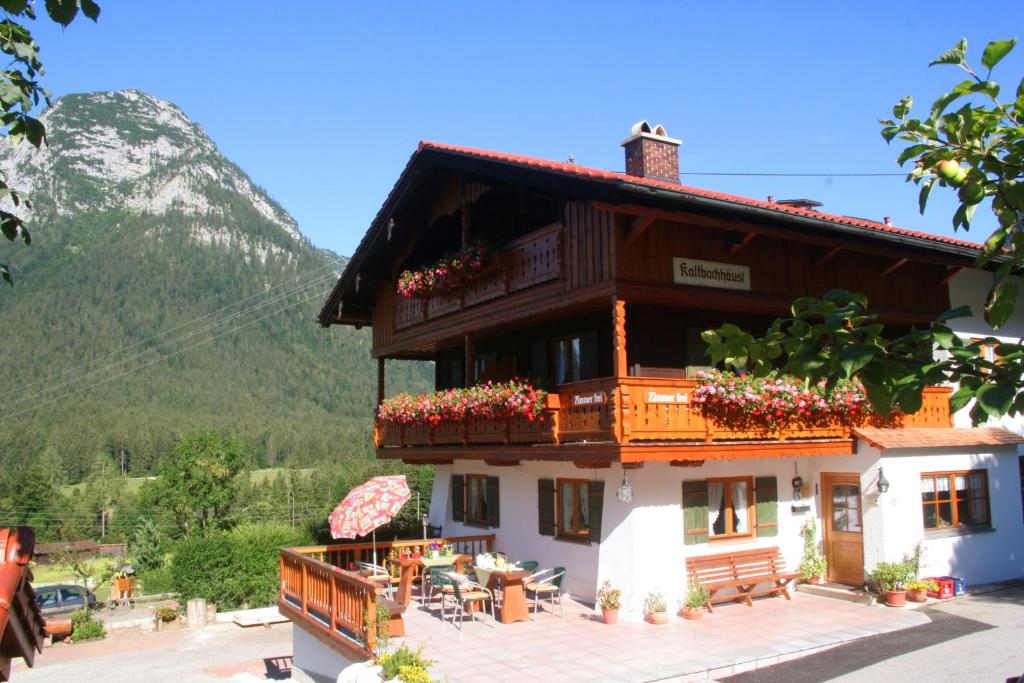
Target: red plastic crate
945,587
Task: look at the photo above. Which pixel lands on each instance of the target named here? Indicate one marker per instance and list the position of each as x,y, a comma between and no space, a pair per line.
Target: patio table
513,597
410,565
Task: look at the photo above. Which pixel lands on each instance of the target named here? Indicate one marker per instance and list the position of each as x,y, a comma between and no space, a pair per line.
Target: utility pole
291,494
122,461
103,523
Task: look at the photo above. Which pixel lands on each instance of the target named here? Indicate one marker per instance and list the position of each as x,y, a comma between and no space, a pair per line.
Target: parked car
63,598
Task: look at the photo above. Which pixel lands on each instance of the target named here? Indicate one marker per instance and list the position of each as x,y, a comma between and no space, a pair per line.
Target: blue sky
323,102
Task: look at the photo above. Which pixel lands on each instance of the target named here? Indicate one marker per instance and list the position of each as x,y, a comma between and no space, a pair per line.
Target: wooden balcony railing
345,555
528,261
327,600
638,409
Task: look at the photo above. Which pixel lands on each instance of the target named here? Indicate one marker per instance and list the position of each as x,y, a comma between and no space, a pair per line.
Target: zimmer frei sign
688,271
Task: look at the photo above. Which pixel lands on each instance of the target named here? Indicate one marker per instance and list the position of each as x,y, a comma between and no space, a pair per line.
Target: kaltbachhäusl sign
688,271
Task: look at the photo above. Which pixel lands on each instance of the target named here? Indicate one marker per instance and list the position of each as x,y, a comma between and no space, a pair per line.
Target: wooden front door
843,529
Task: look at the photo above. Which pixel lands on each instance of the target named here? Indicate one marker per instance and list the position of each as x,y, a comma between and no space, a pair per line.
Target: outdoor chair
439,583
465,591
546,585
529,565
377,574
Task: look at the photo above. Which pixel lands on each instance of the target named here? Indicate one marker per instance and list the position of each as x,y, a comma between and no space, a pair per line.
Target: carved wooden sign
687,271
593,398
663,396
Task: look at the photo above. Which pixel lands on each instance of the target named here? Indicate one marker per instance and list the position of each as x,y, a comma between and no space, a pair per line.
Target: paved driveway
977,638
218,652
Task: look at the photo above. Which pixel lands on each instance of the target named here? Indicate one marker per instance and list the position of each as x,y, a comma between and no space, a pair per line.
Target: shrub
84,626
414,663
892,576
156,581
233,569
696,596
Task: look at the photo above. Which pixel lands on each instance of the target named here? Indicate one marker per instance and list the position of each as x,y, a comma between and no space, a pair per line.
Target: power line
844,174
157,360
172,342
176,327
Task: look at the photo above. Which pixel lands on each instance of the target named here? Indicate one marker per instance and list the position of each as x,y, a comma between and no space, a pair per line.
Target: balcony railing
318,590
637,410
528,261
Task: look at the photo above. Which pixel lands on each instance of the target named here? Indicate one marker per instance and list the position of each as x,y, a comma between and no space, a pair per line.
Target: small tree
146,546
196,479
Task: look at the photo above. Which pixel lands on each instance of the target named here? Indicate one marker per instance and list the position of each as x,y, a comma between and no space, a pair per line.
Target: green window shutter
695,512
595,509
546,506
766,493
458,498
493,508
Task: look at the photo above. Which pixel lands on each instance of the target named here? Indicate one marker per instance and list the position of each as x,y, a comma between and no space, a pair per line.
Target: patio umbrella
369,506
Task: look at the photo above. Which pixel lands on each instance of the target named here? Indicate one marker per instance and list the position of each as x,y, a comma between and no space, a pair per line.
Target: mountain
163,292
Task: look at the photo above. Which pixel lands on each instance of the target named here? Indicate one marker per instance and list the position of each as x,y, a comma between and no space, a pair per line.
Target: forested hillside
164,292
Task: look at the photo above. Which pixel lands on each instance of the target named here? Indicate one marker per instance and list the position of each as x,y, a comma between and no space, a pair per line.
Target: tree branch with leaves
21,93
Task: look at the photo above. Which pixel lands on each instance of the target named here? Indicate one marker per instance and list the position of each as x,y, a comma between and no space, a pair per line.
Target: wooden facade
600,274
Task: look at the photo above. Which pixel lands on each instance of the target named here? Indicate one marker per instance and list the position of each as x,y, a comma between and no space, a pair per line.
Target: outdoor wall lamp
798,484
883,483
625,492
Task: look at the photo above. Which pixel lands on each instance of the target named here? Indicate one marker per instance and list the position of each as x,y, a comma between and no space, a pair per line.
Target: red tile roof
21,625
934,437
578,171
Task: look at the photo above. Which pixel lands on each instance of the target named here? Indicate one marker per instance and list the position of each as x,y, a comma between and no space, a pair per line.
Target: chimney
808,204
652,154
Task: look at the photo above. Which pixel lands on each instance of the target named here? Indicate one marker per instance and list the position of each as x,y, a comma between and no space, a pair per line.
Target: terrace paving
580,647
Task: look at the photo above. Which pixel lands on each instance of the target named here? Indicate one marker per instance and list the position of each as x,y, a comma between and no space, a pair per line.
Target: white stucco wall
642,546
314,660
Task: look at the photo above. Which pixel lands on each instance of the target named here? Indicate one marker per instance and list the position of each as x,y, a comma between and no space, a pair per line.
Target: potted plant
434,550
166,616
610,600
891,579
655,608
813,565
697,597
917,591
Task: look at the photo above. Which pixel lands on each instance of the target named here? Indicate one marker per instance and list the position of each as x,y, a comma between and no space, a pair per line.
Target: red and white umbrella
369,506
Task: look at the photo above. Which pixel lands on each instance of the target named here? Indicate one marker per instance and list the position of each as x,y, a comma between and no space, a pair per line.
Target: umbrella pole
374,546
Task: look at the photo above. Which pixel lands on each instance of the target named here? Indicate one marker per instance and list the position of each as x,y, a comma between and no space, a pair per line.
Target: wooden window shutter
766,493
493,506
546,506
595,509
458,498
695,512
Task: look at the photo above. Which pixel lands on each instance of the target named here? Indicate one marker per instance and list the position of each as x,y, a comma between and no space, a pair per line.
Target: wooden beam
686,463
428,461
826,258
747,239
632,465
952,273
899,263
592,464
638,227
778,231
380,381
619,337
467,344
502,463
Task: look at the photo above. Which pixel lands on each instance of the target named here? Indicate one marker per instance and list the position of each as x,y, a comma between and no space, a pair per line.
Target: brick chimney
652,154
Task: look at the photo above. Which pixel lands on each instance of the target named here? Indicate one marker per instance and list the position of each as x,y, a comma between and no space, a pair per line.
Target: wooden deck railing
528,261
638,409
345,555
327,600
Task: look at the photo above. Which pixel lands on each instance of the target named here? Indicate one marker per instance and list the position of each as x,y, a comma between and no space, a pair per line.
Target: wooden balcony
528,261
319,592
638,411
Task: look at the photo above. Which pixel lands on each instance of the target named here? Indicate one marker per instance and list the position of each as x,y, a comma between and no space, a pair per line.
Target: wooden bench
395,612
743,570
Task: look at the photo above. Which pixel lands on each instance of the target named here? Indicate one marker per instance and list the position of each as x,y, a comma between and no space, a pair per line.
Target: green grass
131,485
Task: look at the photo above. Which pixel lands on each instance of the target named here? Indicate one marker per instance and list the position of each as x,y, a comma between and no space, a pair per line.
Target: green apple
948,168
972,193
960,177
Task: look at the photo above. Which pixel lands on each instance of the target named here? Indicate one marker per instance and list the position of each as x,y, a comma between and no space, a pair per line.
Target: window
953,500
71,597
47,598
576,358
730,507
573,508
570,509
846,508
476,499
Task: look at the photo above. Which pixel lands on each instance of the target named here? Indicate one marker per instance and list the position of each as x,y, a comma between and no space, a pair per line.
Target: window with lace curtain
730,507
953,500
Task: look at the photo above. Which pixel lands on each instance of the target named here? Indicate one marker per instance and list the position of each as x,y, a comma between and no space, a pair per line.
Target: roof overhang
937,437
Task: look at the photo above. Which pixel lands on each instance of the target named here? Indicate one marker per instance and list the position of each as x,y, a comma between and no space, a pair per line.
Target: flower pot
657,617
812,579
610,615
692,613
919,595
896,598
